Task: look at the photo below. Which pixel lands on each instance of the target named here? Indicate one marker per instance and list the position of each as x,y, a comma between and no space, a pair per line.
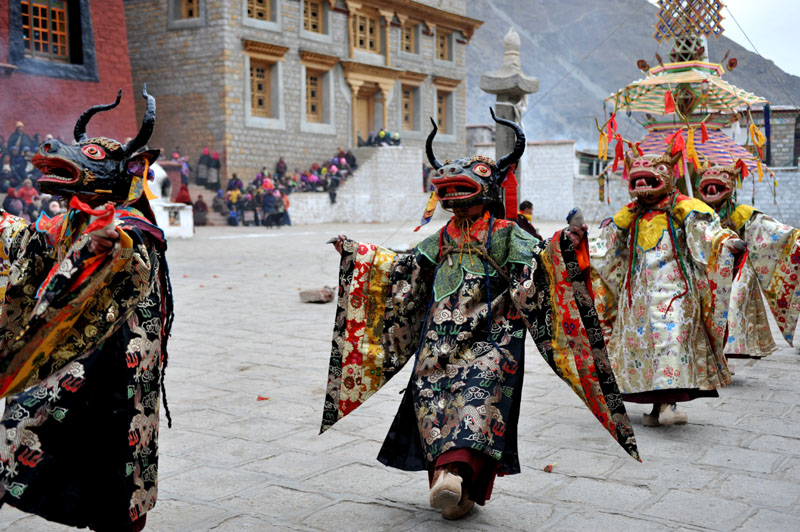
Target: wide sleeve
609,258
553,294
774,252
381,307
710,255
55,311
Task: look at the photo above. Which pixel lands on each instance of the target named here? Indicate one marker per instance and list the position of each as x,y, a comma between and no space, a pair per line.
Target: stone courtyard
246,381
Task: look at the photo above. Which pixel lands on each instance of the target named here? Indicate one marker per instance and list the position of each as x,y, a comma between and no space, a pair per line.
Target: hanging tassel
703,133
618,153
759,140
602,146
510,186
669,103
691,152
612,125
767,113
676,141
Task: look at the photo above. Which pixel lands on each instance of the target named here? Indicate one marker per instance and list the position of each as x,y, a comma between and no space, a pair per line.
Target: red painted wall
52,105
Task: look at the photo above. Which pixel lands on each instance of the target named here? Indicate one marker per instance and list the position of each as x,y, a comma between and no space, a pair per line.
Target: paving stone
611,496
736,458
275,502
208,483
767,492
293,465
778,444
662,473
699,509
358,479
512,513
240,523
596,520
179,515
770,521
353,516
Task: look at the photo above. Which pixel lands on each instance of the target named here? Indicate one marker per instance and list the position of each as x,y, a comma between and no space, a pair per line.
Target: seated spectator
19,138
218,204
18,166
12,204
525,217
268,209
351,159
5,173
183,195
280,168
233,216
200,210
235,183
27,193
234,197
53,208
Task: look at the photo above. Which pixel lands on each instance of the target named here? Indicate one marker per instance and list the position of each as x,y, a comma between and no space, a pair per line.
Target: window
408,35
366,32
314,96
44,29
312,17
408,107
442,111
260,89
189,9
259,9
443,47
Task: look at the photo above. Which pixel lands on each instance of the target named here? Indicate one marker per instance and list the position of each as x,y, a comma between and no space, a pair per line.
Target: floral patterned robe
82,347
466,337
664,334
772,266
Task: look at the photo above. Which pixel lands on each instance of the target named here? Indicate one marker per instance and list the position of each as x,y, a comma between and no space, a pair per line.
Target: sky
772,25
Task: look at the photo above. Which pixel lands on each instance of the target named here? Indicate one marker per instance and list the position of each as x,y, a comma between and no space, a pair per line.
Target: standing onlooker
525,217
201,178
280,168
213,172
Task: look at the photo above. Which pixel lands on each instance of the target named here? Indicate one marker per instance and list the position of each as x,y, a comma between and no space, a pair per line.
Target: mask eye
482,170
93,151
662,169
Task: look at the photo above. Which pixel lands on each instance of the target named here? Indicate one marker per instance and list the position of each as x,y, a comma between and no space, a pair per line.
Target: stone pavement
233,463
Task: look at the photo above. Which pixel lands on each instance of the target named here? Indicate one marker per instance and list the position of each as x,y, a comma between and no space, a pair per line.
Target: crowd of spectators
18,176
381,138
265,199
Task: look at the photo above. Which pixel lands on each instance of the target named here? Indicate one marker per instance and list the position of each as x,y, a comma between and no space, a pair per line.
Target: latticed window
409,38
259,9
44,29
365,31
313,96
259,88
408,107
189,9
443,45
312,16
441,109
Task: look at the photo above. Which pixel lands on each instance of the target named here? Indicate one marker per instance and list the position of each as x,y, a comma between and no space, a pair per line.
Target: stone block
699,509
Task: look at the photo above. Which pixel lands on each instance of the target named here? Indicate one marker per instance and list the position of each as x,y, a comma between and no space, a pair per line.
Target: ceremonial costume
662,270
458,306
772,267
83,338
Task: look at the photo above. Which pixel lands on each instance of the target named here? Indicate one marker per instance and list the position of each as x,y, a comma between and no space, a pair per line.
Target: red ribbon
703,132
618,153
743,170
510,186
105,214
612,125
669,103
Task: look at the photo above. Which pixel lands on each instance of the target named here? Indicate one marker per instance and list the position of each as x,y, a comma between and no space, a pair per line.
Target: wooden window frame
407,97
371,22
190,9
45,12
444,37
442,111
267,8
309,20
409,42
311,100
265,110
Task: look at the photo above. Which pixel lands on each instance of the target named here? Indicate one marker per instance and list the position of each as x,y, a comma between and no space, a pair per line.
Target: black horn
80,125
429,147
519,145
148,123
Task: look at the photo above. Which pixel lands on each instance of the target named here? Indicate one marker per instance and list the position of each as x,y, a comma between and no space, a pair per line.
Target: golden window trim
314,96
407,103
186,7
318,61
414,79
266,8
422,12
261,111
309,20
264,51
446,84
50,37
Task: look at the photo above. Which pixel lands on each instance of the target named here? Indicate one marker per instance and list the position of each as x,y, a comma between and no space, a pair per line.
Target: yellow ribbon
691,152
602,146
759,140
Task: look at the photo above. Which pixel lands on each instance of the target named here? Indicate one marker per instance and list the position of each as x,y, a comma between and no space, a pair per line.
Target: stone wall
784,126
387,186
52,104
198,72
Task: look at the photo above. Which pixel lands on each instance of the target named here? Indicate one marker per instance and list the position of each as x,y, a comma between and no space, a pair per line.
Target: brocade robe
772,266
661,292
432,306
82,346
